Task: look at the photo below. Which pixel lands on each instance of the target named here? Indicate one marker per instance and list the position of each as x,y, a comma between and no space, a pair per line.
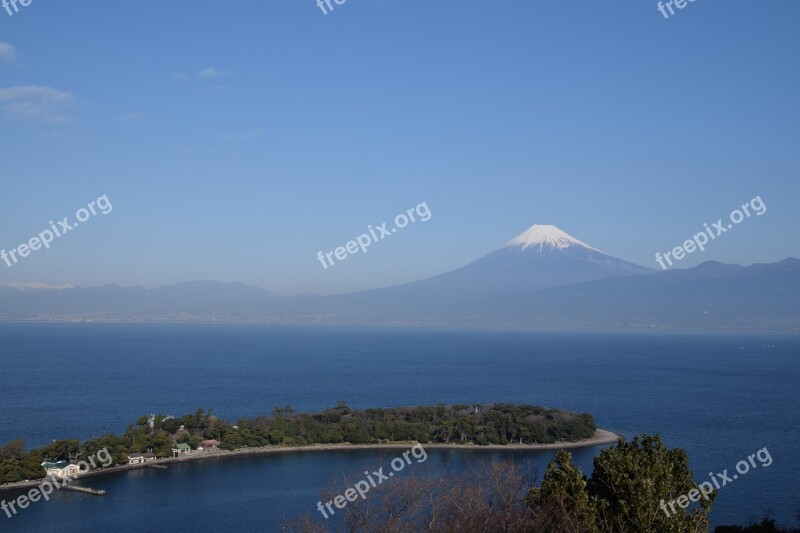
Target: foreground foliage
623,495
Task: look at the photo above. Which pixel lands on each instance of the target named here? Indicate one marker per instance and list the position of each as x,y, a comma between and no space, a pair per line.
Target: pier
86,490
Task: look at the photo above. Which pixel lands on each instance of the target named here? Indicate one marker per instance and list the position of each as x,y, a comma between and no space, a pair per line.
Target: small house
211,444
135,458
139,458
61,469
181,449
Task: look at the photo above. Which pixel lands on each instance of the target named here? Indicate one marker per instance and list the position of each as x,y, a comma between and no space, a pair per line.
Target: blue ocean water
720,396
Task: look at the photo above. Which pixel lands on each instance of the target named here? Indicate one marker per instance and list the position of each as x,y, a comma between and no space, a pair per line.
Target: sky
234,141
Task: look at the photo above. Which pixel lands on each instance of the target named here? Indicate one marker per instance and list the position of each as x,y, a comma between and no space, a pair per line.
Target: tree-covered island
498,424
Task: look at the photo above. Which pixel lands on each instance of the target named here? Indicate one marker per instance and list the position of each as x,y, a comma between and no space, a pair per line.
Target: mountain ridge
542,277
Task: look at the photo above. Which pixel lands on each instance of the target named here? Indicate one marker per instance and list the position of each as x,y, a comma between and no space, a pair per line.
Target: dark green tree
631,480
562,503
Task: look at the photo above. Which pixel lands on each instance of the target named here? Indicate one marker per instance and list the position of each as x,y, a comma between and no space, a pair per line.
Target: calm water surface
719,396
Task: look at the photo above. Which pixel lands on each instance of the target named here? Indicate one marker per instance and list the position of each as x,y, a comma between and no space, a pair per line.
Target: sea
721,396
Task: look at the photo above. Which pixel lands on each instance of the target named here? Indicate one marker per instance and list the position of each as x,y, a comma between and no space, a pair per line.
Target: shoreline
600,438
509,327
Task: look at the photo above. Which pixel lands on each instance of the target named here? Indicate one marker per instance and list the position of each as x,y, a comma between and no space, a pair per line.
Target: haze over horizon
538,235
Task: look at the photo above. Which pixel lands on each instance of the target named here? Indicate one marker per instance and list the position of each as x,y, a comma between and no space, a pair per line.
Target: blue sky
236,140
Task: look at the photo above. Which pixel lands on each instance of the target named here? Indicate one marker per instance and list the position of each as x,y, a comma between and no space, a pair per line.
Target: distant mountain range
197,297
542,278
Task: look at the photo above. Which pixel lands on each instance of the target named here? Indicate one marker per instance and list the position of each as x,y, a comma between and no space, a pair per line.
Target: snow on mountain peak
546,236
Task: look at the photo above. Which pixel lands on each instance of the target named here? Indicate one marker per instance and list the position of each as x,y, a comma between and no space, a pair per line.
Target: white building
61,469
139,458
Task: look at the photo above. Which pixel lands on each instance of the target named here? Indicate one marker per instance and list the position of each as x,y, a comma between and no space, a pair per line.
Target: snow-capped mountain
544,236
543,277
541,257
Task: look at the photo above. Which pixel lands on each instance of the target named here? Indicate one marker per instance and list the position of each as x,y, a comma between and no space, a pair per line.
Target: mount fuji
543,277
541,257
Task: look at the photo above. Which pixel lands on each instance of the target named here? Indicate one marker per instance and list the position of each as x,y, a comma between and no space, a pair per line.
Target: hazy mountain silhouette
188,297
543,277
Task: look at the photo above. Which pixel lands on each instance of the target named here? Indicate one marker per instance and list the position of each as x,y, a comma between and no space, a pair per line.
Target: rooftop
55,464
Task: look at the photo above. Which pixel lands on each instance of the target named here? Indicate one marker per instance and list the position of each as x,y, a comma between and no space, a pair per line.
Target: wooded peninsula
162,436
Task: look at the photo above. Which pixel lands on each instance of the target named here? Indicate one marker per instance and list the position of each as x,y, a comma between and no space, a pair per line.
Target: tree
767,525
191,440
14,450
231,441
627,492
171,425
62,450
562,502
630,482
488,499
116,447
